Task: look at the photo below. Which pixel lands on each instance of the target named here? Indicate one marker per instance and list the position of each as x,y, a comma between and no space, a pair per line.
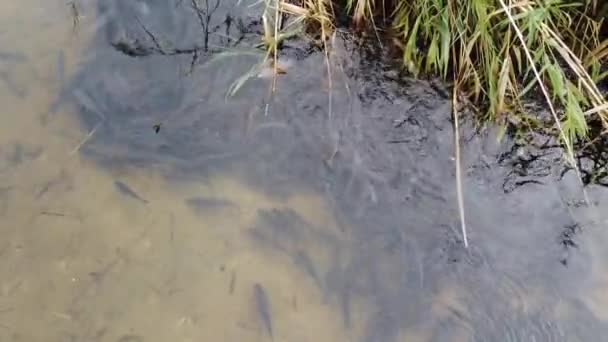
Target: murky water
137,203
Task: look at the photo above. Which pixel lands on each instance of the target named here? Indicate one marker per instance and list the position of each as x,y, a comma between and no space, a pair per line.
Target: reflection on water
223,226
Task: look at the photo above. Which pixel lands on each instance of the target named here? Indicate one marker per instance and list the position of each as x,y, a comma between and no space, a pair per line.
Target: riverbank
497,56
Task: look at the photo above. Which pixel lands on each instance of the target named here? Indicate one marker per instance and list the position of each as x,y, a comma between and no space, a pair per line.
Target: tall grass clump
500,51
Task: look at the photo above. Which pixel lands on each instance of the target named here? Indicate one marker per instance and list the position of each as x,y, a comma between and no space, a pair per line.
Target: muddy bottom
139,202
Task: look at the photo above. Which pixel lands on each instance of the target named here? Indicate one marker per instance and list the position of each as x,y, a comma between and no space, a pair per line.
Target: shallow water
260,218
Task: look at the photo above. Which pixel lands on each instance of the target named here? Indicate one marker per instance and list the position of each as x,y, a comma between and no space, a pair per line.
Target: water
137,203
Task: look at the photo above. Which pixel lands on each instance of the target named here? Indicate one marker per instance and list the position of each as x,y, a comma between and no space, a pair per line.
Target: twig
199,15
205,21
463,225
152,37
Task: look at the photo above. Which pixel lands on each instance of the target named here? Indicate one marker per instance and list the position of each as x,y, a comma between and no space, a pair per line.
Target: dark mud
383,158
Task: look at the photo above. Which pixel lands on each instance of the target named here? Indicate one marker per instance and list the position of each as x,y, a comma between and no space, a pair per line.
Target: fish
262,305
23,153
61,68
86,102
13,57
207,203
4,193
346,307
62,178
12,85
127,191
302,260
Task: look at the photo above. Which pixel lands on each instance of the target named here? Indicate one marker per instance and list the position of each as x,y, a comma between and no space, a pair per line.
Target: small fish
13,57
131,338
207,203
61,68
84,100
23,153
4,193
12,85
263,307
302,260
52,213
51,184
127,191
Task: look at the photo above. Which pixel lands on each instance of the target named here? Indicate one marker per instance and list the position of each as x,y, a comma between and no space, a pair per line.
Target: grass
495,48
501,53
308,16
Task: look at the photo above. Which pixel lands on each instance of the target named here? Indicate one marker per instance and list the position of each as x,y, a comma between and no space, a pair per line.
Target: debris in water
127,191
156,128
262,305
268,70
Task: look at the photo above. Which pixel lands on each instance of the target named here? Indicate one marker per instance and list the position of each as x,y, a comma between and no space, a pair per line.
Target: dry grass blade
459,192
599,53
275,59
293,9
597,109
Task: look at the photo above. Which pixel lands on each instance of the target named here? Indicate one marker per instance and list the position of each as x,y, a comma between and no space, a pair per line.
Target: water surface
260,217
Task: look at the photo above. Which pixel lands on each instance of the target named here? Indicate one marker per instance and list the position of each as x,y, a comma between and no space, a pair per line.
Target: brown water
221,258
